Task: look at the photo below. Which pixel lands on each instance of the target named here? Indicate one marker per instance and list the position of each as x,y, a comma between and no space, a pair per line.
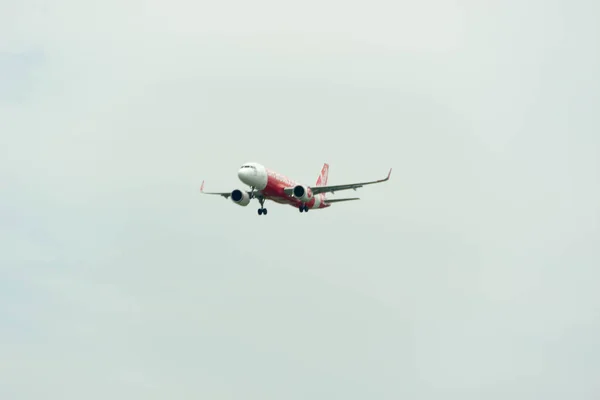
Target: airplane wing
336,188
224,194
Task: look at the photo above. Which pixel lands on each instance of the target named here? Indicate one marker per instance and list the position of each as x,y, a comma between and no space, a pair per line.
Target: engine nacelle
303,193
240,198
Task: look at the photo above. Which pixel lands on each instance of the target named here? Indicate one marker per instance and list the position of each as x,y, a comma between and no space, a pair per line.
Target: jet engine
240,198
303,193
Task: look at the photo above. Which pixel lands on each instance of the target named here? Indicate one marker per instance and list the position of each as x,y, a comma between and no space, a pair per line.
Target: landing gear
262,210
303,208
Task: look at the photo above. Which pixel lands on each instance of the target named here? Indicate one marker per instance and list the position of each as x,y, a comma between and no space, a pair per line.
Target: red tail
322,180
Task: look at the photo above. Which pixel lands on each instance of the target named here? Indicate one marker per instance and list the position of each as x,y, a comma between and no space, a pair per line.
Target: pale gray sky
471,274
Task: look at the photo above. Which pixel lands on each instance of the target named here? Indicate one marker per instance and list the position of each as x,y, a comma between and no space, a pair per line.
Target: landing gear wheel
262,210
305,208
301,208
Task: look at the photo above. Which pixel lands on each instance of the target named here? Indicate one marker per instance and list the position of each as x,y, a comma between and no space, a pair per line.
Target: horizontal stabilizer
327,201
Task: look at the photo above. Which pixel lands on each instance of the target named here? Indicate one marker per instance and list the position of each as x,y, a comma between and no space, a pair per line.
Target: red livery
266,184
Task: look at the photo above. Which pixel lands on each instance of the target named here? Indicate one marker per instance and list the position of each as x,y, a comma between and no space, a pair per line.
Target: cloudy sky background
471,274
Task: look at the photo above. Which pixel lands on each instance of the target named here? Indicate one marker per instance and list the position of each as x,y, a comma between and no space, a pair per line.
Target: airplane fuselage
267,184
271,184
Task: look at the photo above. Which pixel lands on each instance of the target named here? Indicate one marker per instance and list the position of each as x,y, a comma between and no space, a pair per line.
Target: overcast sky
472,274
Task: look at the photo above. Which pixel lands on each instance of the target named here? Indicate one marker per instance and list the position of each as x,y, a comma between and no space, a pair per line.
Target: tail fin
322,180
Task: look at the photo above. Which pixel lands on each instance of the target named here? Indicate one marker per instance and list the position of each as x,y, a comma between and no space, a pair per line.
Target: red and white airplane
266,184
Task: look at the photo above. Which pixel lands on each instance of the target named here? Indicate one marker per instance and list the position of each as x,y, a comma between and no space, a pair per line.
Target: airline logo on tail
322,180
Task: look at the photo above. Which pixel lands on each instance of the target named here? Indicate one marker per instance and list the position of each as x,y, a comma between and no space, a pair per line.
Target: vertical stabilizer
322,180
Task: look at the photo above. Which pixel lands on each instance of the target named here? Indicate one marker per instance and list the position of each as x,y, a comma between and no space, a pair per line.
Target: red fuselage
274,191
271,185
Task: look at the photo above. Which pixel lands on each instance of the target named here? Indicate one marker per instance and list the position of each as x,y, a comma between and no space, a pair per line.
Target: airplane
266,184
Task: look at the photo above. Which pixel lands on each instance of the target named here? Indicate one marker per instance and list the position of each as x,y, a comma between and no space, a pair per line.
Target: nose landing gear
262,210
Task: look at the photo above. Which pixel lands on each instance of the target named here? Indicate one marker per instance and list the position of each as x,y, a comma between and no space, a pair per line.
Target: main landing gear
262,210
303,208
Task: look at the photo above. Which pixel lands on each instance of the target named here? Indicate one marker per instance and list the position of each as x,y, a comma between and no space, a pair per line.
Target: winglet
387,177
202,187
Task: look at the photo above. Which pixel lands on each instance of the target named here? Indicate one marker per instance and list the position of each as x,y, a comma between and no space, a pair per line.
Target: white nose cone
245,175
